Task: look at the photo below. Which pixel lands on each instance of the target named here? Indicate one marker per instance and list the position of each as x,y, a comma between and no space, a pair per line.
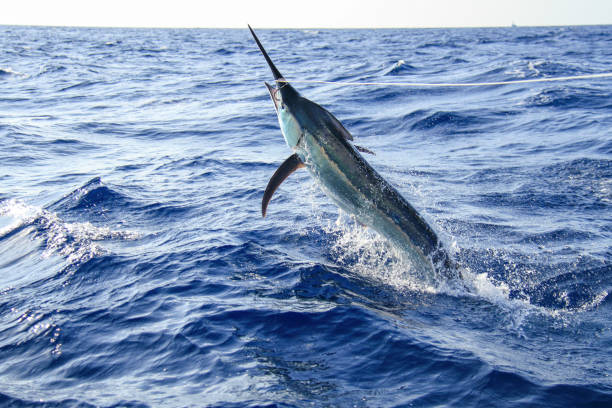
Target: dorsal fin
290,165
331,121
334,124
339,126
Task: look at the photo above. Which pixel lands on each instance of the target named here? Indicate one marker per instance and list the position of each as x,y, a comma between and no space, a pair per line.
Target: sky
305,13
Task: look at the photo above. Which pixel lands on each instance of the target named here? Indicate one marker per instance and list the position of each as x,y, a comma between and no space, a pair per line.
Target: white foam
532,66
596,301
17,212
75,241
366,253
10,71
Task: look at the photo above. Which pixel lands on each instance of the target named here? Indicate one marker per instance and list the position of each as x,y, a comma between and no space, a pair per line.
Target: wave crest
77,242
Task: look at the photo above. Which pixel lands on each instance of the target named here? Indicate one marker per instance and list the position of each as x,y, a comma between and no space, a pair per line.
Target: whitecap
77,242
10,71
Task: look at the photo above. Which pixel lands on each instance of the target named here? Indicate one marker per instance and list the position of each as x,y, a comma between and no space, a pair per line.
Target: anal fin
290,165
364,150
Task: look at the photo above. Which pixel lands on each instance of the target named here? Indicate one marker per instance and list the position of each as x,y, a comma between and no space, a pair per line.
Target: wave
367,255
578,290
455,60
582,167
166,261
552,68
51,69
440,44
399,68
92,195
535,37
459,122
80,85
113,43
9,72
223,51
51,401
566,97
76,241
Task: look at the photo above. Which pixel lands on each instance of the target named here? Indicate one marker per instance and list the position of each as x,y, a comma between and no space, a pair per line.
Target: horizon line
512,25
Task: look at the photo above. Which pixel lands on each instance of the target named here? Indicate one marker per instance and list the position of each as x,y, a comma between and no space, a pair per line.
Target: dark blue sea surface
136,269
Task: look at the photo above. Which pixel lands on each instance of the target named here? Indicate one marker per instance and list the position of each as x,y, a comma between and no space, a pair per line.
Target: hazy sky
305,13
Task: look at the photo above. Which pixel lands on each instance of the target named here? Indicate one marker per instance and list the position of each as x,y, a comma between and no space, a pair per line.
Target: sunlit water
136,270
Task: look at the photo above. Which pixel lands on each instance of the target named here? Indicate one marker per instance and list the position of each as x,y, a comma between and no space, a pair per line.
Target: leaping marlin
322,145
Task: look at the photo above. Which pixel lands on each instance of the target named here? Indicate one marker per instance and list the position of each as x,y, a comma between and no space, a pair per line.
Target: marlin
322,145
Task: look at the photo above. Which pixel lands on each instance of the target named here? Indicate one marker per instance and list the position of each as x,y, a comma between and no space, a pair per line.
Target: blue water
136,269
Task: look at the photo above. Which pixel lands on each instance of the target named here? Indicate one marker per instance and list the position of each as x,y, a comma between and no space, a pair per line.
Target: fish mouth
274,95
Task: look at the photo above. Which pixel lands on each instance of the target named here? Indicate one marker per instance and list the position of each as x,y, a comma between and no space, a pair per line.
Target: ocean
136,269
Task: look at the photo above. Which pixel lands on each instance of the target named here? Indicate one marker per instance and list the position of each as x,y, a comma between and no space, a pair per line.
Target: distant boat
513,25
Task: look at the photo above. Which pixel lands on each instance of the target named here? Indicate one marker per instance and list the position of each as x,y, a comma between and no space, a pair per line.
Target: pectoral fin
290,165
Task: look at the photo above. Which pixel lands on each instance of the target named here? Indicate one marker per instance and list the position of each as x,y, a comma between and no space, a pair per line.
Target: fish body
322,145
